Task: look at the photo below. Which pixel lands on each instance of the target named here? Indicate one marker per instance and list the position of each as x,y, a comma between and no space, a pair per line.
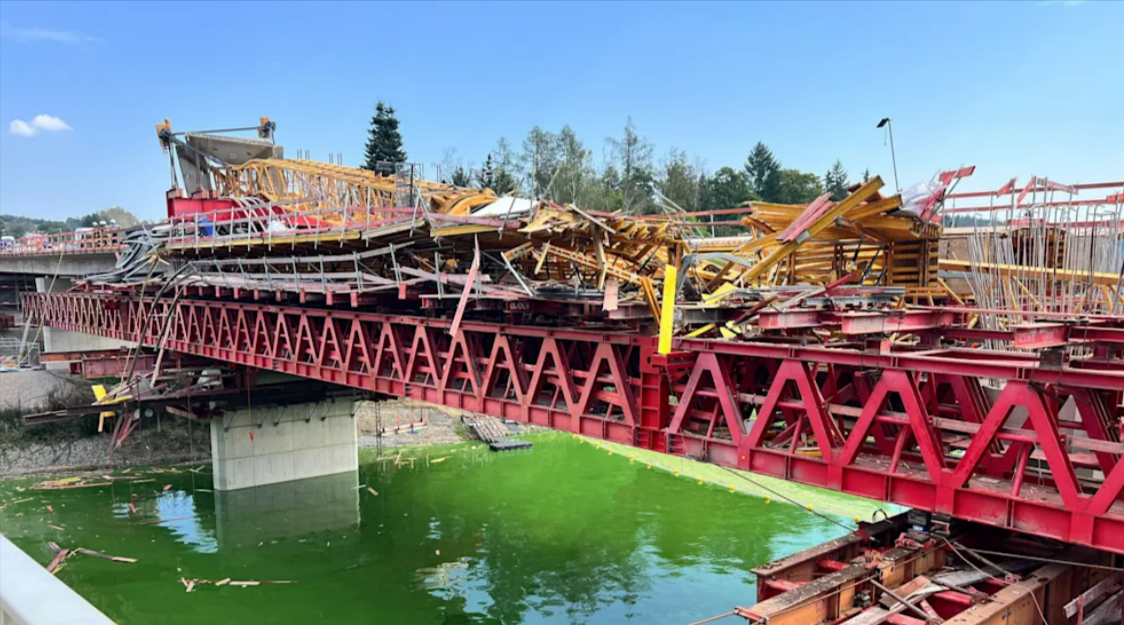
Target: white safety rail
29,595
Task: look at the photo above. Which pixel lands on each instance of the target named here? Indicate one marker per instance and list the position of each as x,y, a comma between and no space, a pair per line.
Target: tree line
559,166
17,226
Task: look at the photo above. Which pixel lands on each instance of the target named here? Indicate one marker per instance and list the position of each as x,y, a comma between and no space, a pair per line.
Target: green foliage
540,158
486,174
764,172
574,169
17,226
557,166
727,188
679,181
798,187
835,181
505,174
632,157
384,142
461,177
866,175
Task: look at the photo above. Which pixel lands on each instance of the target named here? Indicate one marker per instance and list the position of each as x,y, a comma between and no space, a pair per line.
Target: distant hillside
18,225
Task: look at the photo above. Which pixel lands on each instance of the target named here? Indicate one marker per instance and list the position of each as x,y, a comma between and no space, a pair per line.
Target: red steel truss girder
916,429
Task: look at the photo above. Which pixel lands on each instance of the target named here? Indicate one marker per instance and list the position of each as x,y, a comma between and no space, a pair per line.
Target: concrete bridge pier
257,446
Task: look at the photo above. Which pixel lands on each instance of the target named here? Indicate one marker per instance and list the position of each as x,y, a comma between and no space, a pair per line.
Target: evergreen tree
461,177
487,174
835,181
384,142
506,172
866,175
764,172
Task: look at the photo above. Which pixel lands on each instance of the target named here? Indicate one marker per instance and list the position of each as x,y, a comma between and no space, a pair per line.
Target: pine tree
866,175
461,177
384,142
487,174
835,181
764,173
506,172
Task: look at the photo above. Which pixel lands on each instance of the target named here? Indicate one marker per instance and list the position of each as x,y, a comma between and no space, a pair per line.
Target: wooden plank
466,293
1106,586
870,616
808,593
1107,613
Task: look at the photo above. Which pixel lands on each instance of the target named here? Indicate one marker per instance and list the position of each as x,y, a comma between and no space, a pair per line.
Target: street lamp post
893,156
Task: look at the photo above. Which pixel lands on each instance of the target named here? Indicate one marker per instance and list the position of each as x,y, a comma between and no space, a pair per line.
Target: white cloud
33,34
45,123
50,123
22,128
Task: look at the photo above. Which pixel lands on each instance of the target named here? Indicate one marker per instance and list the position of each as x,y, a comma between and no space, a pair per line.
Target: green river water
562,533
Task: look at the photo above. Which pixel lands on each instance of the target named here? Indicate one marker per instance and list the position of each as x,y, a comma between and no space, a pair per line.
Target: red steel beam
911,428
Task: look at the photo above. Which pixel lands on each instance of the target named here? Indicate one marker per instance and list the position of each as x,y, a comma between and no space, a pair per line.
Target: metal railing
269,224
93,241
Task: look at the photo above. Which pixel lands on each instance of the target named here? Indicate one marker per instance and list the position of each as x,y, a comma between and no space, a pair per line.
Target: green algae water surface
564,533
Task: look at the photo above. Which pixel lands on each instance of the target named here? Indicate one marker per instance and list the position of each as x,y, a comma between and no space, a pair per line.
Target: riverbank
77,446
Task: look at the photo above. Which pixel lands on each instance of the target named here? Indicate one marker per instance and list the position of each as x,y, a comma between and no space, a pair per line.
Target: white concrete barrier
29,595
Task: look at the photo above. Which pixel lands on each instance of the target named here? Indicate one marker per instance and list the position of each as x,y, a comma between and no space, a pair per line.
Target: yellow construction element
99,398
338,195
1029,272
667,312
716,298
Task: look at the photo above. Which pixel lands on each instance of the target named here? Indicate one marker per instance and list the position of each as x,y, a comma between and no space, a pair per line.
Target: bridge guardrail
93,241
29,595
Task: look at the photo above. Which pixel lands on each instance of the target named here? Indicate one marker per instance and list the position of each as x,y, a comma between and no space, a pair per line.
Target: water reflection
180,516
289,510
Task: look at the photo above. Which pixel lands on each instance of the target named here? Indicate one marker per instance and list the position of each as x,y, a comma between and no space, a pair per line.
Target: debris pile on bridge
468,252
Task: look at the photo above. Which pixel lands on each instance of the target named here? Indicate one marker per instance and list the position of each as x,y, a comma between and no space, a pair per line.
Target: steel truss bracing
917,428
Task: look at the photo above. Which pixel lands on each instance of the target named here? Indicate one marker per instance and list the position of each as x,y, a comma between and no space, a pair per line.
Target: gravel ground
30,390
443,424
175,443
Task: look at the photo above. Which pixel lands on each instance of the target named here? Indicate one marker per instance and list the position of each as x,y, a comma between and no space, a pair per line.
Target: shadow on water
563,533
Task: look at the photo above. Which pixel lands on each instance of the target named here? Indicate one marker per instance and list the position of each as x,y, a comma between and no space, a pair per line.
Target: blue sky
1017,88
